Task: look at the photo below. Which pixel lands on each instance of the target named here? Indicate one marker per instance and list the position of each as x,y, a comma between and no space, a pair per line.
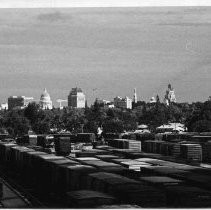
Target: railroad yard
120,173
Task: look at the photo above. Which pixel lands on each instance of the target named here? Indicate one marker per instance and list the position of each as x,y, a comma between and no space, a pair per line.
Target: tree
16,122
31,112
114,126
41,127
200,117
201,126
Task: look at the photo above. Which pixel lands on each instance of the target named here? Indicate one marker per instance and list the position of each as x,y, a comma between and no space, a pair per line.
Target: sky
106,51
99,3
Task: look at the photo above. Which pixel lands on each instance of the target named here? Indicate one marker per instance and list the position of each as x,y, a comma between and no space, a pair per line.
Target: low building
142,129
4,106
104,103
171,127
125,103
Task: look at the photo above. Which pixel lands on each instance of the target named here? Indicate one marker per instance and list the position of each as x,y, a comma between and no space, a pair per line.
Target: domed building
45,100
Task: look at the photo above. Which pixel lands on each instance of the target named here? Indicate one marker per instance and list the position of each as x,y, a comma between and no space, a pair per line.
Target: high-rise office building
125,103
18,101
76,98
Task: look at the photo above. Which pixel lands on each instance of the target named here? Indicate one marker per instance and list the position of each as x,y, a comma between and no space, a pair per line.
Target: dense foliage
196,116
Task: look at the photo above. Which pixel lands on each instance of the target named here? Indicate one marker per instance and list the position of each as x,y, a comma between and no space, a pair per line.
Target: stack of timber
105,166
5,151
62,146
171,172
59,178
160,181
88,199
91,153
186,196
107,157
126,190
191,152
120,206
209,151
45,140
76,176
133,164
125,144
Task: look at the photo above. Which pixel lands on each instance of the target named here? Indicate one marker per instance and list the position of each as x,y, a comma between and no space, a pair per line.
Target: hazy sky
100,3
111,49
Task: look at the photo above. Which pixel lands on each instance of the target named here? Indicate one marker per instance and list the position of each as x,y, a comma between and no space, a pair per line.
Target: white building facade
125,103
135,98
45,100
4,106
170,96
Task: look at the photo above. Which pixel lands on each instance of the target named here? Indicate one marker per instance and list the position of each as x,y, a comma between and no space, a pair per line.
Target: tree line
17,122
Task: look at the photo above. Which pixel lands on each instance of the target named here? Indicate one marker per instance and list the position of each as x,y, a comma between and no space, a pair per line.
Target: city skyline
64,101
109,50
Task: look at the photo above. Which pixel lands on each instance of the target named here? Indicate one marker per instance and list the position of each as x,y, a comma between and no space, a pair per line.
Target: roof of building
45,94
17,97
76,90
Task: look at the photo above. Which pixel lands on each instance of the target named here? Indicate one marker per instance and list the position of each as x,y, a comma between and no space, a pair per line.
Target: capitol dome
45,100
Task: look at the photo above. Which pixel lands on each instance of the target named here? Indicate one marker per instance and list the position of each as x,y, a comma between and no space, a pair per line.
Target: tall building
18,101
76,98
135,96
125,103
45,100
170,96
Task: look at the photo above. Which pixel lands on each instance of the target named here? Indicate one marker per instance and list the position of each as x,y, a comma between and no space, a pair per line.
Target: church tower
170,95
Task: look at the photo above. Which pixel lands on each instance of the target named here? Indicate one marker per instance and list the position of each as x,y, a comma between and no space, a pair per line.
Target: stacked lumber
209,151
62,146
91,153
107,157
186,196
125,144
160,181
126,190
76,176
44,140
133,164
191,152
88,199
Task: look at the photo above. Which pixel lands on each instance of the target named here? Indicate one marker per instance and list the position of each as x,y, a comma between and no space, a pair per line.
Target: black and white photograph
105,104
